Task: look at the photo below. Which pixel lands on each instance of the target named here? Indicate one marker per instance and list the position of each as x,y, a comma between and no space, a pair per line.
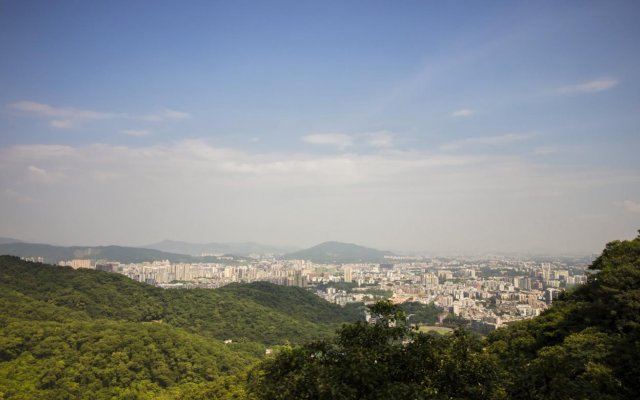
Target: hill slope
219,313
585,346
4,240
68,333
337,252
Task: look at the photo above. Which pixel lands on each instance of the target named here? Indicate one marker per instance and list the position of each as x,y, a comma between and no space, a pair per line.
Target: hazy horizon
462,127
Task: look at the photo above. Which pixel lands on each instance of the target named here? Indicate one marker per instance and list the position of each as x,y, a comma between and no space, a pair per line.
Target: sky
466,126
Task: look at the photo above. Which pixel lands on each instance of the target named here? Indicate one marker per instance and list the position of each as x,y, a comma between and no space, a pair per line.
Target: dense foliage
383,360
419,313
87,334
586,346
293,301
53,351
261,312
68,333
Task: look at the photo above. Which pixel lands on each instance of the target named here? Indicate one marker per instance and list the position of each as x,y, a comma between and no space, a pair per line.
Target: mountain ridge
123,254
6,240
339,253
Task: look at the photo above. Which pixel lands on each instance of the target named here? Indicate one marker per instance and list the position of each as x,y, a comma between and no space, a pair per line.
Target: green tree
384,359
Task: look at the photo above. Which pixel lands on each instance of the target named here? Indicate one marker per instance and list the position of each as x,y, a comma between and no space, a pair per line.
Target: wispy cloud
464,112
166,115
597,85
407,190
69,117
487,141
379,139
41,175
338,140
136,132
59,117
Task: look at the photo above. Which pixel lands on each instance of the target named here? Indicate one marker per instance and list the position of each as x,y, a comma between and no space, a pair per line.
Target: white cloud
197,161
597,85
379,139
41,175
166,115
110,193
338,140
39,151
69,117
136,132
487,140
631,206
465,112
59,117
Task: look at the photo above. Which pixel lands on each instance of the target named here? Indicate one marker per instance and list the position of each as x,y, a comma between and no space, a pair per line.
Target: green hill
293,301
68,333
586,346
337,252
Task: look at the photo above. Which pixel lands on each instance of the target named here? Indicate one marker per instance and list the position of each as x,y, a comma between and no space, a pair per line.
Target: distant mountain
337,252
4,240
197,249
54,254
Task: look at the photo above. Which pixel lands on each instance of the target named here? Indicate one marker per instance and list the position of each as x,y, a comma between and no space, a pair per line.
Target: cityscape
487,292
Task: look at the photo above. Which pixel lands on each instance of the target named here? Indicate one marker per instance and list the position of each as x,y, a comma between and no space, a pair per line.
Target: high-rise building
348,274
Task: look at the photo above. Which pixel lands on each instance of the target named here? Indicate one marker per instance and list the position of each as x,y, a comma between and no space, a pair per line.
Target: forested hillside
586,346
90,334
86,334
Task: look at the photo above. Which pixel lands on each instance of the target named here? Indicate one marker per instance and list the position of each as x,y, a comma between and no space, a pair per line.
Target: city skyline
467,127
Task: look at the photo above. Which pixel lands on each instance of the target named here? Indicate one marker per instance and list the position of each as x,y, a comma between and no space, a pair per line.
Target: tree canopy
88,334
586,346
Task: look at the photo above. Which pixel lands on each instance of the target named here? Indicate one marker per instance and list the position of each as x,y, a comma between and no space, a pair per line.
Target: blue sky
463,126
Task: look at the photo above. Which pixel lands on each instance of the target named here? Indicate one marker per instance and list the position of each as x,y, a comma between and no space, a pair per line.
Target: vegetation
586,346
88,334
419,313
68,333
383,360
260,312
294,301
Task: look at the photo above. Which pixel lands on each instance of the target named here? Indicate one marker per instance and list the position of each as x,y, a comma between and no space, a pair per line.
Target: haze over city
468,127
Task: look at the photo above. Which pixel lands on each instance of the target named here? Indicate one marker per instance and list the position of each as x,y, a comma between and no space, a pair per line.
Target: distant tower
348,278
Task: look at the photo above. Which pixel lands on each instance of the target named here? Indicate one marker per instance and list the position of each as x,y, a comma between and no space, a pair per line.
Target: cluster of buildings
489,291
